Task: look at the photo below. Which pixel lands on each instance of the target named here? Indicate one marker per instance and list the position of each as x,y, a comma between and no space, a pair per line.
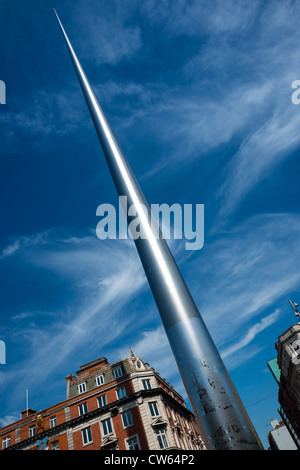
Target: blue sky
199,96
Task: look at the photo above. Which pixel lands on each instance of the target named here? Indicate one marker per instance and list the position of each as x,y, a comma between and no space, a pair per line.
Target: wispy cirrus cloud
240,274
252,332
106,277
110,33
190,118
200,17
10,249
18,244
262,151
46,113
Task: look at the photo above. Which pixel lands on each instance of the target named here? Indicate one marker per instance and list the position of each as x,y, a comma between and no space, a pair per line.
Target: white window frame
153,407
122,391
82,408
100,399
6,442
31,431
146,384
53,421
87,437
127,419
136,437
161,433
104,433
99,380
82,387
118,372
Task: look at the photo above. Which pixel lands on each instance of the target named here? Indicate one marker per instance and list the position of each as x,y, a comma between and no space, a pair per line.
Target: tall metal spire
224,422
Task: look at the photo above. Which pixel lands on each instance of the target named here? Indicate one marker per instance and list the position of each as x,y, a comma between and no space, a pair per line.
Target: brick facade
124,406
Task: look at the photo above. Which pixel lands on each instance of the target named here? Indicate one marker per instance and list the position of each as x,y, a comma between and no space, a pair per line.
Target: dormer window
82,387
100,380
118,372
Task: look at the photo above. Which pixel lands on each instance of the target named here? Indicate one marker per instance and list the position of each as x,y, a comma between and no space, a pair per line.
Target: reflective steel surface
221,415
223,419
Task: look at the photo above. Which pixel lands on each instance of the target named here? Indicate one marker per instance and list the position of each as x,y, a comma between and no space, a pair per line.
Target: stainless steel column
222,417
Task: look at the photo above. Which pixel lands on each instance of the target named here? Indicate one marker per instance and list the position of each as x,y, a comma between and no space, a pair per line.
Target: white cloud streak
198,17
261,152
240,274
110,35
107,276
251,334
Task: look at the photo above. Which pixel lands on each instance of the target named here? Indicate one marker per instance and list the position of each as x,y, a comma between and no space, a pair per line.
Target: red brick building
123,406
288,361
